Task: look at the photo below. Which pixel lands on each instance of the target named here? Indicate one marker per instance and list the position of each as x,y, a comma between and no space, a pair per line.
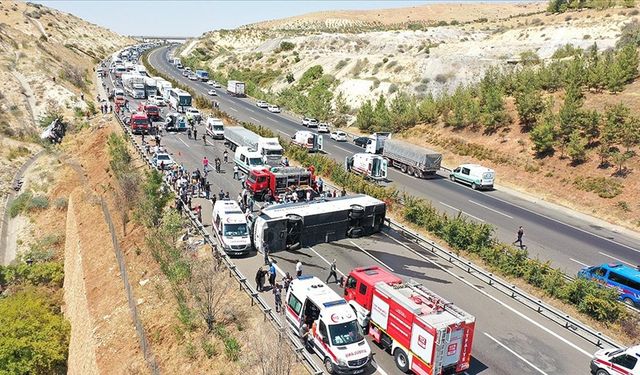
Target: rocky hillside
557,117
47,60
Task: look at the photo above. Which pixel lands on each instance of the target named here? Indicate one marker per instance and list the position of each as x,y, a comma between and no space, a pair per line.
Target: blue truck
202,75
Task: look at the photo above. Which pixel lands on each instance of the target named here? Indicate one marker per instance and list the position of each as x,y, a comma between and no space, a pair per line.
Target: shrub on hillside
604,187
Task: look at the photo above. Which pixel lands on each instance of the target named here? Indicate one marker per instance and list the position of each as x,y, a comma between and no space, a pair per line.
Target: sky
192,18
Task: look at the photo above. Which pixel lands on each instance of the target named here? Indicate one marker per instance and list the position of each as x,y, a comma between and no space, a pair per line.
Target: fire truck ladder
436,299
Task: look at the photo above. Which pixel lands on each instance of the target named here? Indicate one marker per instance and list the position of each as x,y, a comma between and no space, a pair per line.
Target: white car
323,127
616,361
157,101
185,73
310,122
193,77
262,104
212,92
273,108
216,84
339,136
162,160
210,82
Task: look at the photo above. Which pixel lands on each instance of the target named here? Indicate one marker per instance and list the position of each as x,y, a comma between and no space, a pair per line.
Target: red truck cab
139,123
425,333
152,111
265,182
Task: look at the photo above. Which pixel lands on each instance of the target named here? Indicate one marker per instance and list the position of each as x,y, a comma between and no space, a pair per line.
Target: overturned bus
294,225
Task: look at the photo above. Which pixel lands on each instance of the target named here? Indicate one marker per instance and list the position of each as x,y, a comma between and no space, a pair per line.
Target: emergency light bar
334,303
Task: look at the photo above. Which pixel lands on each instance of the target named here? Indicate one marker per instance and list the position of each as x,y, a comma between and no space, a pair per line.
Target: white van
616,361
334,332
215,128
230,226
474,175
246,159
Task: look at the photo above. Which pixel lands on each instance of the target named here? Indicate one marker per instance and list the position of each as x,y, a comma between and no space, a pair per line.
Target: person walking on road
332,272
236,172
204,139
195,134
519,239
225,156
298,268
277,296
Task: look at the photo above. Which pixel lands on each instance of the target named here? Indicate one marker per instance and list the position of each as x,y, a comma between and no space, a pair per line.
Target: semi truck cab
335,334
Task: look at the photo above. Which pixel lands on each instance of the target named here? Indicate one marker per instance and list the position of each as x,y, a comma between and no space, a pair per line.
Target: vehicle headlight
342,362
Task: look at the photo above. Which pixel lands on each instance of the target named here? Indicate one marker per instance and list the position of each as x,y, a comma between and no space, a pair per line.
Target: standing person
298,268
204,139
221,194
205,164
343,192
320,185
260,279
332,272
286,280
519,239
225,156
207,190
304,335
195,134
272,275
235,172
277,296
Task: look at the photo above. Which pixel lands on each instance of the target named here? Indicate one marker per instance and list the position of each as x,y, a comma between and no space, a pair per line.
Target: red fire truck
425,333
152,111
139,123
271,182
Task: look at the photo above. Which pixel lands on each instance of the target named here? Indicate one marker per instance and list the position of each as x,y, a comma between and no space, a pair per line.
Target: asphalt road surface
557,235
509,338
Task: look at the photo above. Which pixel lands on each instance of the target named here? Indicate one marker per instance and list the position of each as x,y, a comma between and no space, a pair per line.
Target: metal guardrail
256,298
559,317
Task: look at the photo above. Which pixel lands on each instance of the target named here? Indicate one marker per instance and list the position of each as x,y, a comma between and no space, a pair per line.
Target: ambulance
616,361
230,227
425,333
335,334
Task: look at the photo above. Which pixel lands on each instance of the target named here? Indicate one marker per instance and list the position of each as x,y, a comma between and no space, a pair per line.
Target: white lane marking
233,109
326,261
372,256
486,294
457,209
562,223
490,209
184,143
579,262
254,119
343,149
614,258
281,132
515,354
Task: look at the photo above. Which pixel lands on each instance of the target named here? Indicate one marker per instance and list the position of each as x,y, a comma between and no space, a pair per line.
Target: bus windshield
345,333
185,100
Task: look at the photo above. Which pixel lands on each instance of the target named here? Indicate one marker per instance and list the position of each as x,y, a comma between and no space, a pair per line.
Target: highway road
509,338
558,235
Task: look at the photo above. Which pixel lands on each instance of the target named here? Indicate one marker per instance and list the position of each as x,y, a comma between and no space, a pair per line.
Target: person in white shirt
298,268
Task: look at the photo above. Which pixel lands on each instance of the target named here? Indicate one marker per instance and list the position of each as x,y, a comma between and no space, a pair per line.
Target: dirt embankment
102,336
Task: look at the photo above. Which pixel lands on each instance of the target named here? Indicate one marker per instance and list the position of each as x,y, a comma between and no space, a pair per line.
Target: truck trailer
411,159
134,85
235,88
269,148
425,333
293,225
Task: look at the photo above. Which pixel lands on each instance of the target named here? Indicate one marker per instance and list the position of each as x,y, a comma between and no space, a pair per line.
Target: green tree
529,104
543,134
403,111
319,102
428,110
616,77
341,110
576,147
616,118
364,119
590,125
34,336
309,77
493,113
627,60
381,115
629,134
570,112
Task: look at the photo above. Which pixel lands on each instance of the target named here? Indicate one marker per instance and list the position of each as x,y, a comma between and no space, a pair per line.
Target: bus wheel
402,361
